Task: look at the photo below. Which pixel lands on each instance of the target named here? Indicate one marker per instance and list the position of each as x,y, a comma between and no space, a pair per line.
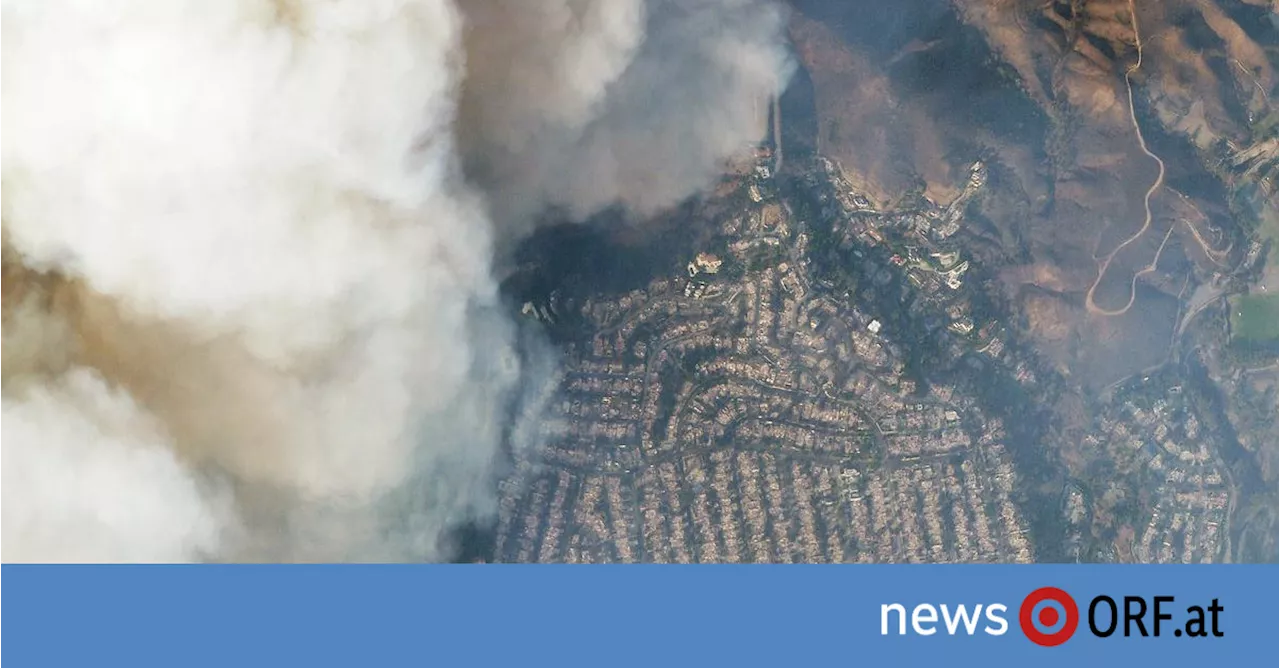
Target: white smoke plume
583,105
249,305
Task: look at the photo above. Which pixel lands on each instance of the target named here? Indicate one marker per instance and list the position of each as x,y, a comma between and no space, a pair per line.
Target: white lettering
929,616
884,618
963,619
961,615
997,619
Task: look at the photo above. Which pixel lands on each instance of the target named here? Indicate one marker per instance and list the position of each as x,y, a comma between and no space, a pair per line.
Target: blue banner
649,616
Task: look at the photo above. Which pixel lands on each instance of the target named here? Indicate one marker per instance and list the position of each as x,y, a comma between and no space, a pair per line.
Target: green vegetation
764,255
1255,318
1265,126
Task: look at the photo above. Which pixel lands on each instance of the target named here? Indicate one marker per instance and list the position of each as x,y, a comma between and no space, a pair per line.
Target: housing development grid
806,331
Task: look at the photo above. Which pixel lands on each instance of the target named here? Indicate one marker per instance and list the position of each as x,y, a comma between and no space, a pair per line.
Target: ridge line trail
1146,200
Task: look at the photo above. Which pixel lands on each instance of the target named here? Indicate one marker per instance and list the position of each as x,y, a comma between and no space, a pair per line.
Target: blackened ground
473,542
799,117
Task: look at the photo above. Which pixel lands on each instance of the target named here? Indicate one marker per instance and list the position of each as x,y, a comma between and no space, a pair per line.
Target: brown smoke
583,105
249,311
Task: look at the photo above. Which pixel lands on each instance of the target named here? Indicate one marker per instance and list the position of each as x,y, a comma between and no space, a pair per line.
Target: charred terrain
993,306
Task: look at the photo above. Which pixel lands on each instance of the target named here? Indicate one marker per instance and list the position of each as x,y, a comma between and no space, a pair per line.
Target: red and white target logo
1048,616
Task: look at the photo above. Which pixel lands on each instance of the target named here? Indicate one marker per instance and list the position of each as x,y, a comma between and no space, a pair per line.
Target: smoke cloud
584,105
249,305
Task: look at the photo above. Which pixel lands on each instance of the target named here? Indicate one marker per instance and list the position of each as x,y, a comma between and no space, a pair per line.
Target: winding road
1146,200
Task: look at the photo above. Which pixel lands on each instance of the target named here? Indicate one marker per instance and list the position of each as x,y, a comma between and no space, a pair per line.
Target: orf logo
1048,616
